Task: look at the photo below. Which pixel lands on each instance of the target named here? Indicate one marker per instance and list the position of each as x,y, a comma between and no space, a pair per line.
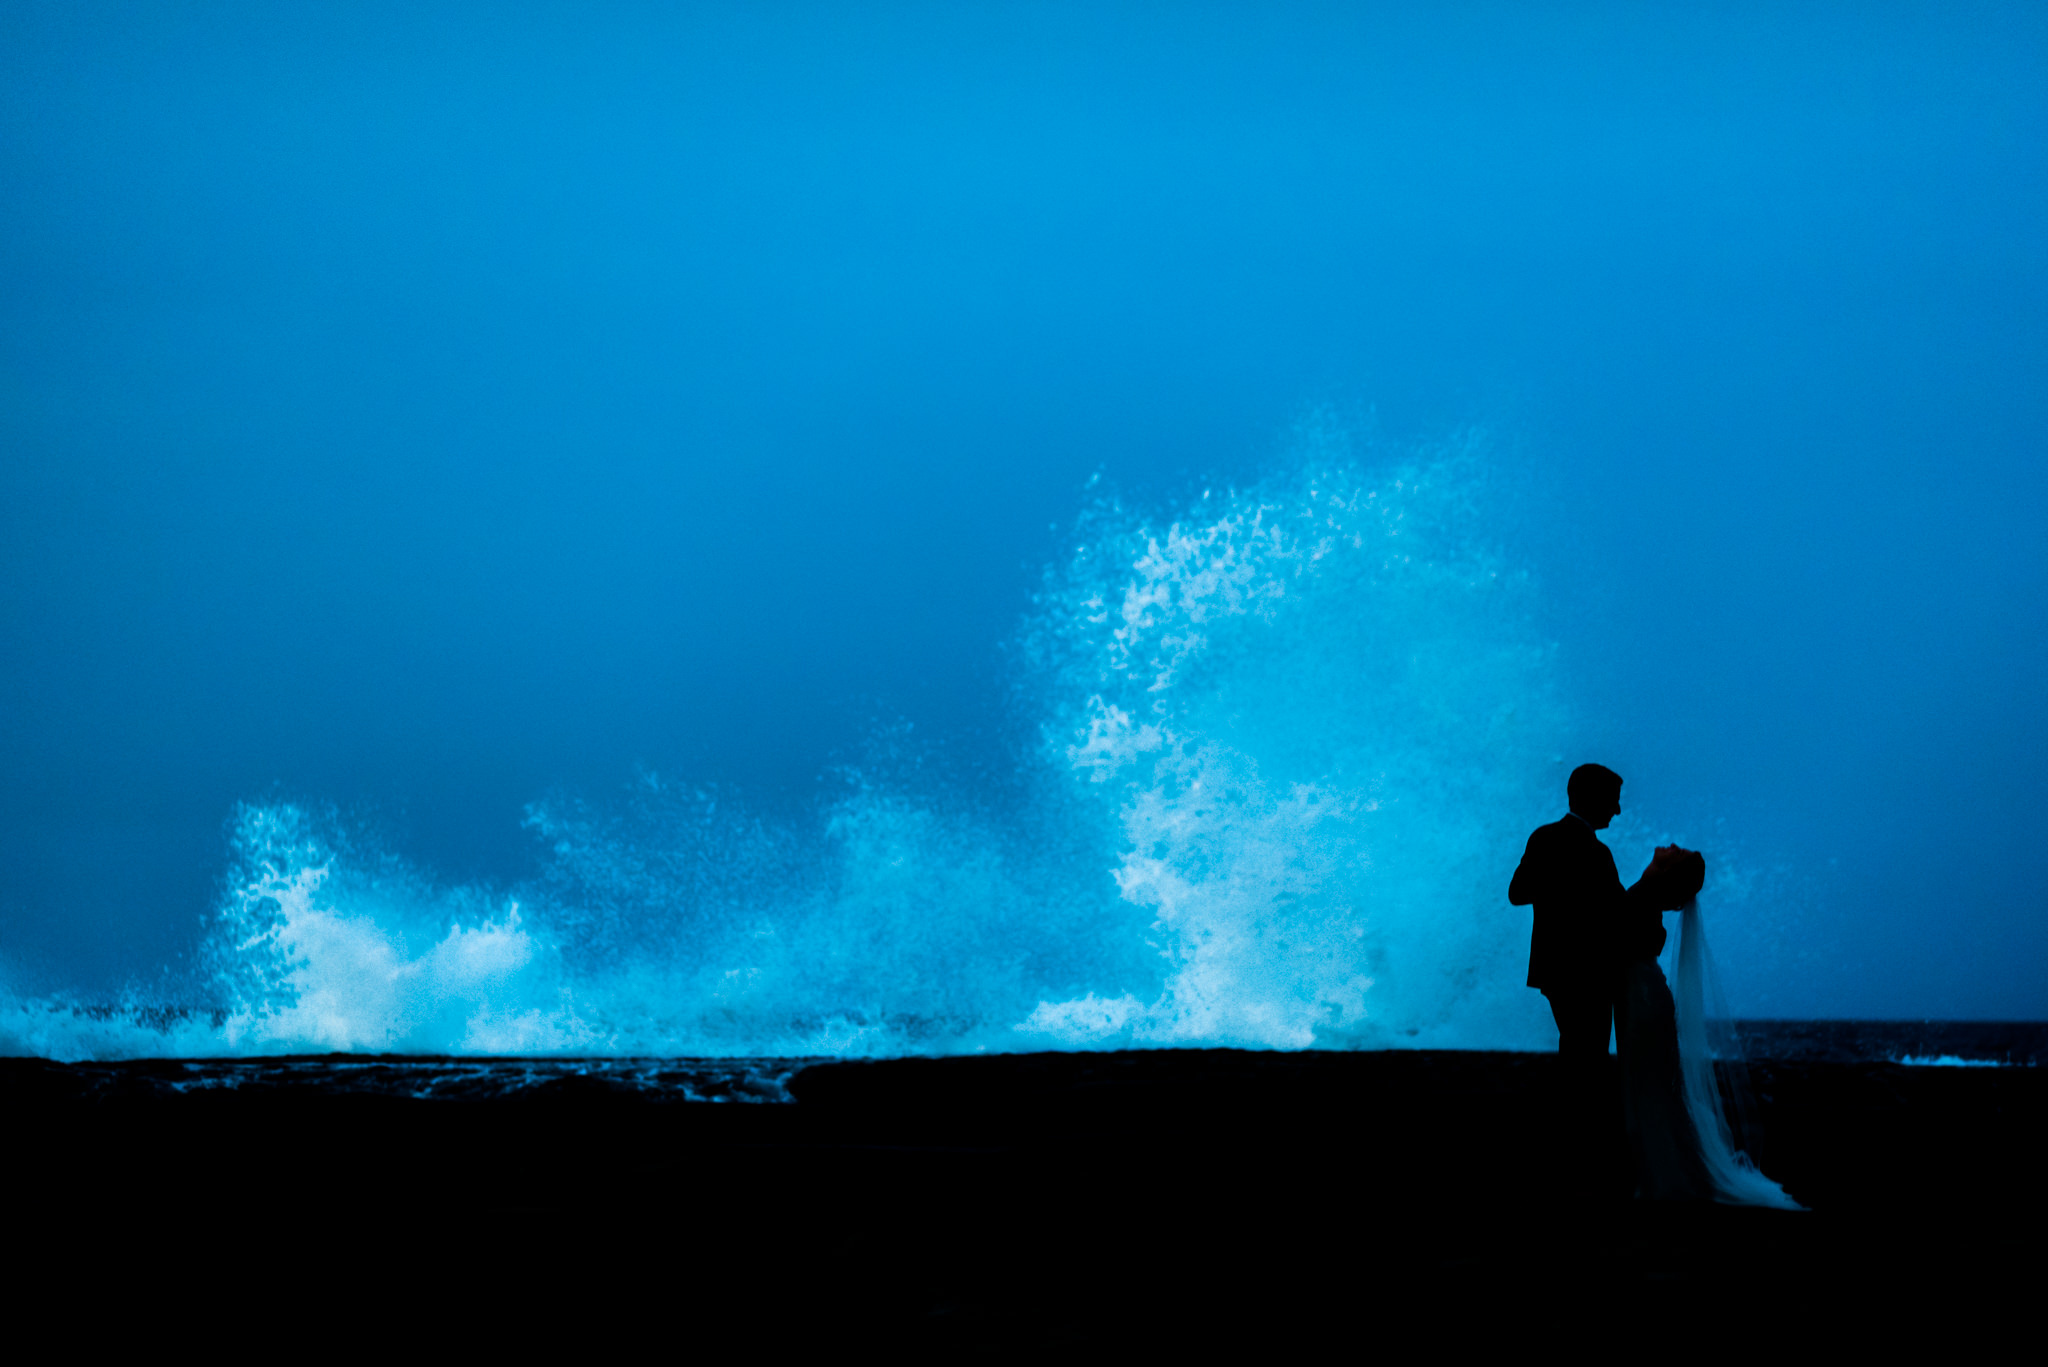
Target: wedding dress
1678,1132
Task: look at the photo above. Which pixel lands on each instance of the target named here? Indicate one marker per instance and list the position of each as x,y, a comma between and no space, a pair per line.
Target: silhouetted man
1583,917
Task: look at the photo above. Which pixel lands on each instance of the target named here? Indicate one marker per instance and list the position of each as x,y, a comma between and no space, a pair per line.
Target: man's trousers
1590,1125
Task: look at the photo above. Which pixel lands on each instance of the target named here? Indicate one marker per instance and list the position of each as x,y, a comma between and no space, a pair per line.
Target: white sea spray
1289,743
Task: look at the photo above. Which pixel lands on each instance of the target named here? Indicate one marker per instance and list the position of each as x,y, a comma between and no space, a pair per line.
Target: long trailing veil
1703,1015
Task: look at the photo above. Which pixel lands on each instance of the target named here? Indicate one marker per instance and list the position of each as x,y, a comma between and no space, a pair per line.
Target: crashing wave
1287,739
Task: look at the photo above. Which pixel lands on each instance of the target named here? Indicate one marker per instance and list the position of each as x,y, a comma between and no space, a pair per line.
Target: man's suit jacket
1586,922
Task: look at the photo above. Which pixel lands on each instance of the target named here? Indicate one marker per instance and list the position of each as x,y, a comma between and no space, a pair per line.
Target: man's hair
1590,781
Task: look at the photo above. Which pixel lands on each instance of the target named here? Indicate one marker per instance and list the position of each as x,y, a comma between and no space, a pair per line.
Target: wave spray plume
1286,745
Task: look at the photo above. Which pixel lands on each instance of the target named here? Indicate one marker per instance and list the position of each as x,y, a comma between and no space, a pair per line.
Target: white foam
1324,721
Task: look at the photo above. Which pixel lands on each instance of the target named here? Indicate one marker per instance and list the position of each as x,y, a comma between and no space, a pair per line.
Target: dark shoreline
1048,1198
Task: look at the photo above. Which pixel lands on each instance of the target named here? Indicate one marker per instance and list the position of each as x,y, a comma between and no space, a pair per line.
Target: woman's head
1680,873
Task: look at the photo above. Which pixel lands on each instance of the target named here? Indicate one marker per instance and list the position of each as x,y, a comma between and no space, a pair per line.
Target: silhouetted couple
1593,954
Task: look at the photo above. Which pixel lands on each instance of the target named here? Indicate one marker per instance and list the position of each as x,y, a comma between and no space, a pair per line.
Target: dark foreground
1060,1201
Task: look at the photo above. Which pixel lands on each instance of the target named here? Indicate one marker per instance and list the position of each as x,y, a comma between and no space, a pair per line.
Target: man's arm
1642,927
1527,884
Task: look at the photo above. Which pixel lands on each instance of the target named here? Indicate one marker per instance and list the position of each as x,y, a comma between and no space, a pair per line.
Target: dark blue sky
426,406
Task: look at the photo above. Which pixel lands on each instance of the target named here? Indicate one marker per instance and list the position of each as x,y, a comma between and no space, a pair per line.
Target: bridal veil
1703,1024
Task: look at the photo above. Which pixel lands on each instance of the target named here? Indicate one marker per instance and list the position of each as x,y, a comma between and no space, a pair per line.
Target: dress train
1678,1133
1733,1176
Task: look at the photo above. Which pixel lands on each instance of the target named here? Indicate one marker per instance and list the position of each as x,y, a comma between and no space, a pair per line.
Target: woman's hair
1680,880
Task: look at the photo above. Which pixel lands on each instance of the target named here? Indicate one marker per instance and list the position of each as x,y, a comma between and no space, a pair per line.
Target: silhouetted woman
1678,1136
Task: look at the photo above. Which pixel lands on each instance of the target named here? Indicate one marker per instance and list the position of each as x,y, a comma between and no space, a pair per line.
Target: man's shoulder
1571,842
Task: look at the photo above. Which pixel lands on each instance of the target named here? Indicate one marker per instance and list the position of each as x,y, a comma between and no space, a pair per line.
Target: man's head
1594,791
